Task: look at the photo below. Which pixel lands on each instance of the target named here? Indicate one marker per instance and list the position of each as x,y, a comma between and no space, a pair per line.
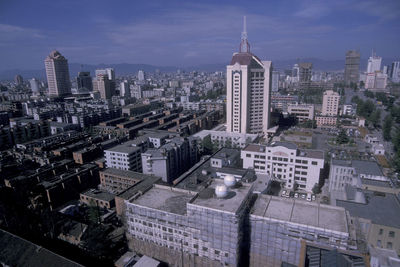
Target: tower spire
244,44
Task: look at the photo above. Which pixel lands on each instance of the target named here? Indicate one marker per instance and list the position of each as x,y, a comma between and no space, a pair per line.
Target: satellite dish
229,180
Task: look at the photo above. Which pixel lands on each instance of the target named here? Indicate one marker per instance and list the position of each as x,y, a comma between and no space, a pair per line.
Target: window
379,243
314,163
389,245
381,231
248,155
391,233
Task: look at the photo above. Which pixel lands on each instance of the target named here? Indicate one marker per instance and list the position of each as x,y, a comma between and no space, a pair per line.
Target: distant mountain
129,69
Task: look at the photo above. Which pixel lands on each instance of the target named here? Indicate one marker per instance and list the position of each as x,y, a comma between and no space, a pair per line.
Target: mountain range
129,69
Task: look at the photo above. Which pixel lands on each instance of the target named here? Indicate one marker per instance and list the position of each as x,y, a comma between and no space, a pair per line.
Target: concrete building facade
302,112
248,92
286,163
352,67
57,73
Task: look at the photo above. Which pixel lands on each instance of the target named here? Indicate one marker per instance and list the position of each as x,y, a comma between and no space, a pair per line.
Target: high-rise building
110,73
140,75
57,74
18,79
374,63
248,91
34,85
104,86
295,73
352,65
330,103
124,89
395,72
305,73
275,81
84,80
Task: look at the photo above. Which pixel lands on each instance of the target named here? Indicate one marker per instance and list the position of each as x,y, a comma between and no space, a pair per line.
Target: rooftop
301,212
288,145
231,203
126,173
98,194
166,199
254,148
361,166
15,251
124,148
139,187
381,208
316,154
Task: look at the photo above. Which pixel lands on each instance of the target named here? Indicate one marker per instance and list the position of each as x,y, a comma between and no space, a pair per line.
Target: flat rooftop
165,198
231,203
254,148
124,148
125,173
381,208
315,154
139,187
301,212
361,166
98,194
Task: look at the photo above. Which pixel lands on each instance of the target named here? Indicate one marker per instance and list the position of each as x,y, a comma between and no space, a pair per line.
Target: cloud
12,33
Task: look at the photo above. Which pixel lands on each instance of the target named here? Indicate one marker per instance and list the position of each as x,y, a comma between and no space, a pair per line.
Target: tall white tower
374,63
248,91
57,73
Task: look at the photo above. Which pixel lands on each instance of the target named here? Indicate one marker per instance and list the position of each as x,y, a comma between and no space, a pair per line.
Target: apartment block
296,168
124,157
116,181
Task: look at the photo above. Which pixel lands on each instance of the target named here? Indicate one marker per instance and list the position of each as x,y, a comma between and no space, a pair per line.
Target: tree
369,94
316,189
342,137
375,118
207,145
387,127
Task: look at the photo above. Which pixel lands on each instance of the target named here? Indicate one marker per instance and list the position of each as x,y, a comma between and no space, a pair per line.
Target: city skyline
182,34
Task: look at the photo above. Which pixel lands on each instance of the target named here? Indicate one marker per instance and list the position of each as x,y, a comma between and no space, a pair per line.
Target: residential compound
330,108
283,161
248,91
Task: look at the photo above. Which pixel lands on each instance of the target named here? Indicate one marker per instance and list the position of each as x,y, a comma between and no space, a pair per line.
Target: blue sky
188,33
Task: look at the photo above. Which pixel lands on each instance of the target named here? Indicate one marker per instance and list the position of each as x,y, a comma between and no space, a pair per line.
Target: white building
248,91
223,138
395,72
285,162
124,157
374,64
301,111
124,89
141,75
275,81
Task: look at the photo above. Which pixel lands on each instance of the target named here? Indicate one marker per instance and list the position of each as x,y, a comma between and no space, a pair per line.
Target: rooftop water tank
229,180
221,191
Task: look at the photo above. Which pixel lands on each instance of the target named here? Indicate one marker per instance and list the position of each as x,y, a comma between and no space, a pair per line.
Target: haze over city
188,33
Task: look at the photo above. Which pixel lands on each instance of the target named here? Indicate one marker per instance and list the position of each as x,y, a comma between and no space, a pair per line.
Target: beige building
57,74
104,86
330,103
248,91
302,112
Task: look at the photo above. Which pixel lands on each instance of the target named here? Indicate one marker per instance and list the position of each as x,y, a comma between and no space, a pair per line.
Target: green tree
369,94
207,145
375,118
387,127
316,189
342,137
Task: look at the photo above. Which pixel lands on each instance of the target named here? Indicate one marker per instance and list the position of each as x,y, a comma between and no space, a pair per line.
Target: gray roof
375,183
125,173
284,144
124,148
381,208
361,166
15,251
243,58
98,194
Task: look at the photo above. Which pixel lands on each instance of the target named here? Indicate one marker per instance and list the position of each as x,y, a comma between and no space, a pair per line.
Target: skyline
187,34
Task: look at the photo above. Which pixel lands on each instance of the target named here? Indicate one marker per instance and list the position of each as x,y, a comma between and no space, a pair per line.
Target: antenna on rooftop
244,44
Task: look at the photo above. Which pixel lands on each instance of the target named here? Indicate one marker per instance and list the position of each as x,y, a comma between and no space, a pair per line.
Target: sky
190,33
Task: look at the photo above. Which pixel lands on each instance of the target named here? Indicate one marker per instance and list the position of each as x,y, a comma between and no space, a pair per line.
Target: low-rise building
302,112
326,120
116,181
227,139
98,198
296,168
